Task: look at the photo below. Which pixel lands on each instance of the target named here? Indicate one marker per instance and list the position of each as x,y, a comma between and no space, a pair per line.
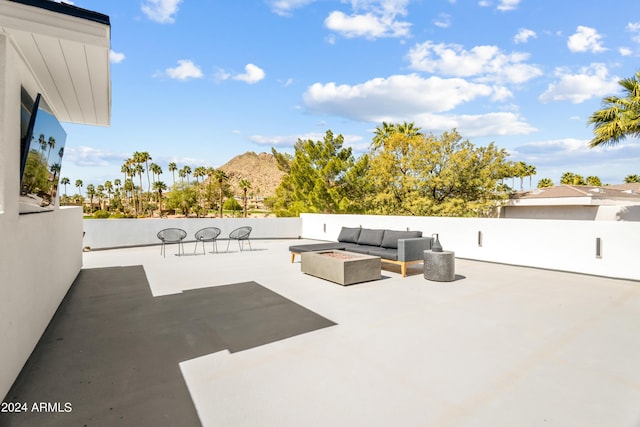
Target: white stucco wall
554,244
41,254
114,233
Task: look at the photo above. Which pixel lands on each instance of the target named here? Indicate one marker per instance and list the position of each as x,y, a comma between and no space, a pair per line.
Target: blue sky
198,82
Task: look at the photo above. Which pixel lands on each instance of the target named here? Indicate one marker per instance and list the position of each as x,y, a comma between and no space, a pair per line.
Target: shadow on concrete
110,354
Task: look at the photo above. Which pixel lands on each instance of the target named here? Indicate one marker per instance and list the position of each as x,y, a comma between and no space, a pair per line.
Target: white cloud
402,94
368,26
625,51
116,57
186,69
503,5
634,29
92,157
290,140
524,35
443,20
506,5
285,7
371,19
589,82
556,156
253,74
586,39
487,63
162,11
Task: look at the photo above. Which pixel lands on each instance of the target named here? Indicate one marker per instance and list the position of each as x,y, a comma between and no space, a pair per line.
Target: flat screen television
42,148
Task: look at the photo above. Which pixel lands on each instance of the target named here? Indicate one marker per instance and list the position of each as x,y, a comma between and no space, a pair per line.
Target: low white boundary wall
116,233
554,244
39,260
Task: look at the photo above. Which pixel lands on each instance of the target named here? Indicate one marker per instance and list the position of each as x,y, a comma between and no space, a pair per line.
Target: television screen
41,159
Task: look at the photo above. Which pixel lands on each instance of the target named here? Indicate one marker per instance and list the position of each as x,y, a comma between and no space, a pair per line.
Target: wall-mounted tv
42,148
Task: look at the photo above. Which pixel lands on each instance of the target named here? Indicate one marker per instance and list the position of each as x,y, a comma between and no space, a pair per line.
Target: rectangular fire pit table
341,267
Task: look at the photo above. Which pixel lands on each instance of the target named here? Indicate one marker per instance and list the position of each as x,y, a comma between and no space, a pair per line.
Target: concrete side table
440,266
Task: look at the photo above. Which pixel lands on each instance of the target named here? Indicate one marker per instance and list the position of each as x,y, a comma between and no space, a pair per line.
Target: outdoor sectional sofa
396,247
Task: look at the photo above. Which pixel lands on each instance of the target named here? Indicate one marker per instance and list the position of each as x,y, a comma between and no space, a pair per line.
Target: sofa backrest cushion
349,235
370,237
390,239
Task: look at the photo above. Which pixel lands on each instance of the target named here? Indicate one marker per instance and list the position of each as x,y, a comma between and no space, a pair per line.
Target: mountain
261,170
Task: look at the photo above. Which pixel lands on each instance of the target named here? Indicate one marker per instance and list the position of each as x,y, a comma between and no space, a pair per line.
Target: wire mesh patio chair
241,235
207,234
172,235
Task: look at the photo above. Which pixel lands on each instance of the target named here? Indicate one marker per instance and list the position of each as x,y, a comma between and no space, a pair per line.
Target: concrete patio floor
500,346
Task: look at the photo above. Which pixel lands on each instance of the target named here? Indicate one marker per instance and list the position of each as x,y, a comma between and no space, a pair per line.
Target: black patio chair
207,234
172,235
241,235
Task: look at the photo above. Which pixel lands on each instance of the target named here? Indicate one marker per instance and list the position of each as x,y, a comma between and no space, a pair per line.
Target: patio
500,346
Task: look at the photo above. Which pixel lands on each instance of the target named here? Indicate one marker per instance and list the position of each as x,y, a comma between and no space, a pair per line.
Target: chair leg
228,242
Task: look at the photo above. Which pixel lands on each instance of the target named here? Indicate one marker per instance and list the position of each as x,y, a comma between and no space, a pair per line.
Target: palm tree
173,168
156,170
245,185
221,177
79,185
91,192
620,117
186,171
571,178
138,169
100,195
594,181
108,186
64,181
51,143
198,172
545,182
629,179
43,143
159,187
530,170
384,131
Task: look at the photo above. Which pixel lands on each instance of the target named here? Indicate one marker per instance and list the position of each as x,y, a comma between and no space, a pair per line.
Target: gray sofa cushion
351,247
390,239
391,254
370,237
349,235
316,247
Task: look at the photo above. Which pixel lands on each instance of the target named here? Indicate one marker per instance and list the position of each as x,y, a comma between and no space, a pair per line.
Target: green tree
231,204
183,197
620,116
440,176
545,182
316,179
632,179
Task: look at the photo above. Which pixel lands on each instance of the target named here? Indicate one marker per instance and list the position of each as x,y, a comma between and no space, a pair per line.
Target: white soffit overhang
67,55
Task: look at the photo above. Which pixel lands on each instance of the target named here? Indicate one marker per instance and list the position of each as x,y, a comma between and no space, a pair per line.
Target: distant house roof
621,194
67,51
